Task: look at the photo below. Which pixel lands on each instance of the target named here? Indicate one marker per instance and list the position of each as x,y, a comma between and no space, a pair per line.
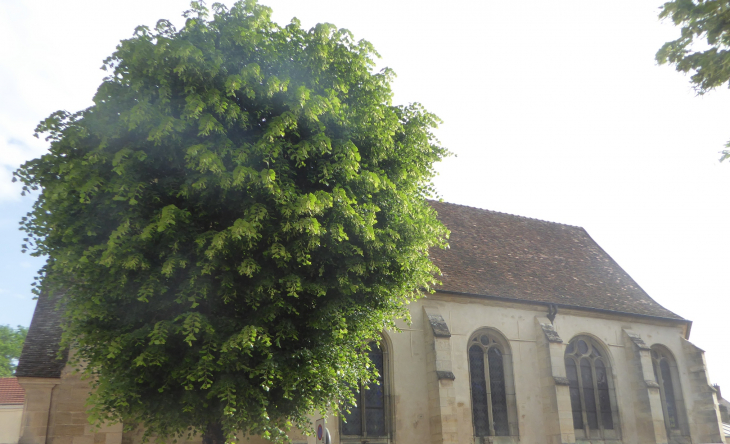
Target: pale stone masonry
55,413
37,409
518,297
554,384
703,396
439,378
647,389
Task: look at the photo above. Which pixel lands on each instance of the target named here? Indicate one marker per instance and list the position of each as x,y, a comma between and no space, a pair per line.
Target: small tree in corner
11,345
708,61
238,214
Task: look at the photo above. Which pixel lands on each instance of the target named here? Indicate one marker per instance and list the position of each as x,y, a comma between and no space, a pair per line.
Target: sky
555,110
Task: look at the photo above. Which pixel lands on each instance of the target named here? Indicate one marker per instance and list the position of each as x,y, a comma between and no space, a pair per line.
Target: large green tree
11,344
703,47
238,214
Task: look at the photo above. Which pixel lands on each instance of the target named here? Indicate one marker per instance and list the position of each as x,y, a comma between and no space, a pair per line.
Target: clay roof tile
11,392
506,256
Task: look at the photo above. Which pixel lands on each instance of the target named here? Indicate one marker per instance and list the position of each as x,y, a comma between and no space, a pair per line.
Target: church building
536,336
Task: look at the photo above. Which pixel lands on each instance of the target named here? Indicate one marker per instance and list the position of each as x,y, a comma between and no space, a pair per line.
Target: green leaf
237,215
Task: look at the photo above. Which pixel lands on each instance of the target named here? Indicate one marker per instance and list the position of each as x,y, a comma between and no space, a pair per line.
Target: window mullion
583,410
597,396
490,411
363,416
662,394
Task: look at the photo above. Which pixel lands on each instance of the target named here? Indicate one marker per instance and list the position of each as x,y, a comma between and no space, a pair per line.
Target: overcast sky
556,110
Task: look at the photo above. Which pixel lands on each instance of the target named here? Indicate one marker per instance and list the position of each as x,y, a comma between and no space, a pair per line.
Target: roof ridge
507,214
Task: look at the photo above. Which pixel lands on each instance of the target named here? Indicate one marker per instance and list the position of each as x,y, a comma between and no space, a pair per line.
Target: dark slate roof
11,393
505,256
40,350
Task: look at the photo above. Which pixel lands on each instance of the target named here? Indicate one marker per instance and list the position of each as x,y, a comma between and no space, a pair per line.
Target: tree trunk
214,434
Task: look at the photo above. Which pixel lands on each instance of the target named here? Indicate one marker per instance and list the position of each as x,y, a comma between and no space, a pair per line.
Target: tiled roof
505,256
40,350
11,392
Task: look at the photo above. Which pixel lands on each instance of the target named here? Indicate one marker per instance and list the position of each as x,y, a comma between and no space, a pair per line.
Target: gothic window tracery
666,388
491,386
667,377
591,391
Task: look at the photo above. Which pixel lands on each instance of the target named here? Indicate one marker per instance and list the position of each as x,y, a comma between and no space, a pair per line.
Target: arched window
592,396
667,376
494,410
368,420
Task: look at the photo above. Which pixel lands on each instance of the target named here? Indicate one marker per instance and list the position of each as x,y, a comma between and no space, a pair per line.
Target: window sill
496,439
676,437
598,441
360,440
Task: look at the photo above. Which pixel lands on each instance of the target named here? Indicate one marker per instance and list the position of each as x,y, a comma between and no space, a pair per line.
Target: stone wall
705,420
542,398
429,394
10,419
55,413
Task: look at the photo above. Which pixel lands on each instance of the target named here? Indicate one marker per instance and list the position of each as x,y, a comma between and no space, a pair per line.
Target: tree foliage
238,214
11,344
704,24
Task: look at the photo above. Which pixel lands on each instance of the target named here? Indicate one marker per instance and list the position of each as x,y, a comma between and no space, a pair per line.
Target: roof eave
686,322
